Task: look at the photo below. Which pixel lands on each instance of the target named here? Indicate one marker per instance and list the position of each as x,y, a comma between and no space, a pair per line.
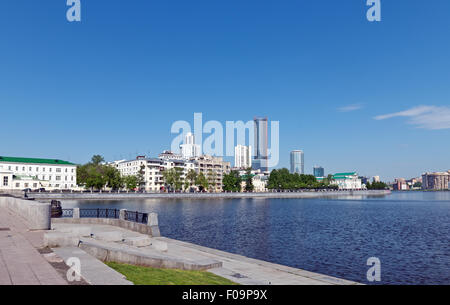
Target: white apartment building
23,173
189,149
242,156
152,170
213,168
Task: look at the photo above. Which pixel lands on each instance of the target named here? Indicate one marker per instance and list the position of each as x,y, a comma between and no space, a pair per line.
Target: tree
113,178
376,186
191,176
249,187
202,182
282,179
418,184
131,182
97,160
172,178
141,178
212,176
232,182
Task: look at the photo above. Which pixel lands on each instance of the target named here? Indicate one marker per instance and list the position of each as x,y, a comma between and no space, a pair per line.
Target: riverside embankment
208,196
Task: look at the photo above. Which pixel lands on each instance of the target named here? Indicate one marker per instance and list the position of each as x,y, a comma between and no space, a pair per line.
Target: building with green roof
18,173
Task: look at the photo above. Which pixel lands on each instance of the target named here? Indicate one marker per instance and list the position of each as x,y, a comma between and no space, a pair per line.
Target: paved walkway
20,262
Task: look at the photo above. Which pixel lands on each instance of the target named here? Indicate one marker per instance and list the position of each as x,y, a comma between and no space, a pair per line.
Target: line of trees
282,179
376,186
96,175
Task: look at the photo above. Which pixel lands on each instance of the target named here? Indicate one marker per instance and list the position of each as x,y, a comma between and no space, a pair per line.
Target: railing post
76,213
98,213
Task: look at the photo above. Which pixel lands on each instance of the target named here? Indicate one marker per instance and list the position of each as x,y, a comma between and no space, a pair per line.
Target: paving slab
20,262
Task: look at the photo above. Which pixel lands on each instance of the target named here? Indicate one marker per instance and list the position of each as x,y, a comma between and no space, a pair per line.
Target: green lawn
152,276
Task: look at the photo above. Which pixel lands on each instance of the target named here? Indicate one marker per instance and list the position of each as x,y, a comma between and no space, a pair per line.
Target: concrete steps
92,270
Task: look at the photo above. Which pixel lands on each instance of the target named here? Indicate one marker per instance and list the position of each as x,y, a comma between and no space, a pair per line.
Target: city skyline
318,67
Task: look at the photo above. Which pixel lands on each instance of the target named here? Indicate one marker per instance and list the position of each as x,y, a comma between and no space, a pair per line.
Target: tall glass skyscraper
260,160
297,162
318,171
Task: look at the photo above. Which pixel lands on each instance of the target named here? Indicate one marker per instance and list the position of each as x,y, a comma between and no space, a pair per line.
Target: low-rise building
400,184
346,181
33,173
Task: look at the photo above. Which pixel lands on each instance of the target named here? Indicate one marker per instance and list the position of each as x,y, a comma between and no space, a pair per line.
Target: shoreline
204,196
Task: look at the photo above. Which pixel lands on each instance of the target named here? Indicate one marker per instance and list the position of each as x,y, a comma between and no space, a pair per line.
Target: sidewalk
20,261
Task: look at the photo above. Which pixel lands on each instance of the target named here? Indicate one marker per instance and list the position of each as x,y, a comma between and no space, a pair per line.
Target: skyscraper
260,160
189,149
318,171
243,156
297,162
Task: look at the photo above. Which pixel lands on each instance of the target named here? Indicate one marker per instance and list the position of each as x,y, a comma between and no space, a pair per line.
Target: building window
5,181
58,178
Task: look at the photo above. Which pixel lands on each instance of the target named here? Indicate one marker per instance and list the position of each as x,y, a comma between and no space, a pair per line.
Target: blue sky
354,95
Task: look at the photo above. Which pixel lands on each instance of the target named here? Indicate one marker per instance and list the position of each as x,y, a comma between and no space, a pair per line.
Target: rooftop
34,161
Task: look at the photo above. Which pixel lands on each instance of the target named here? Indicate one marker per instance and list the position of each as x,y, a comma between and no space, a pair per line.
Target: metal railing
107,213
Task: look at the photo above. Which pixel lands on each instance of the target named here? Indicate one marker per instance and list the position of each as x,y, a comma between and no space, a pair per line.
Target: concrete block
54,239
138,241
76,213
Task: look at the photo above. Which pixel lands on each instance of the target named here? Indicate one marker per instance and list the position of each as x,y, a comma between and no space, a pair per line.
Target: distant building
297,162
168,155
189,149
23,173
261,155
318,171
242,156
436,181
364,179
376,179
400,184
345,181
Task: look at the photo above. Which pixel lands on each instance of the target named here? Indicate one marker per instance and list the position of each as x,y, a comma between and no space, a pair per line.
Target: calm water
408,232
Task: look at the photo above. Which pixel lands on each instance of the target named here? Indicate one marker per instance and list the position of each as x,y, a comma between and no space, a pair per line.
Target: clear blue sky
114,83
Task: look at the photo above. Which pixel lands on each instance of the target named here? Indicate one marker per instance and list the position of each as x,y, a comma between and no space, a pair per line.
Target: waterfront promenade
106,195
20,261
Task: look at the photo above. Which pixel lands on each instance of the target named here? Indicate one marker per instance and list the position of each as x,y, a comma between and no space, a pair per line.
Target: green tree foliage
140,177
212,176
376,186
172,178
191,176
282,179
249,187
417,184
202,182
131,182
97,160
232,182
95,175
